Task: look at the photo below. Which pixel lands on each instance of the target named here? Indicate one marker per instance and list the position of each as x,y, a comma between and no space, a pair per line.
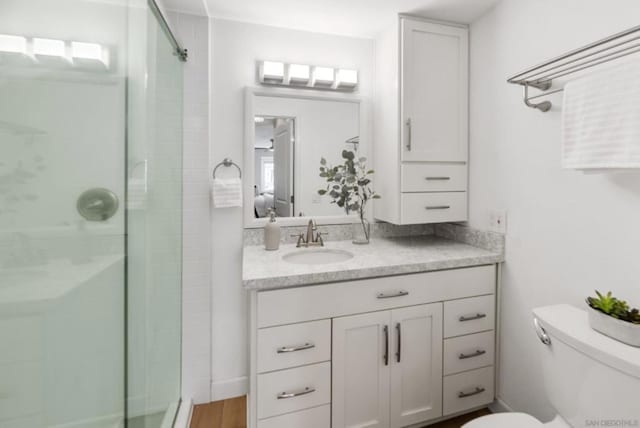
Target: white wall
193,33
568,233
235,49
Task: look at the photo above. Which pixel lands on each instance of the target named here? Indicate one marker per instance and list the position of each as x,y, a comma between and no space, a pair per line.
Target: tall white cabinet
421,122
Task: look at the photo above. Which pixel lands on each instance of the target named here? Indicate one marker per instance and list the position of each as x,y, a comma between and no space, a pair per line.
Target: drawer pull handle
408,134
385,357
437,207
475,354
472,317
285,395
478,390
389,296
287,349
437,178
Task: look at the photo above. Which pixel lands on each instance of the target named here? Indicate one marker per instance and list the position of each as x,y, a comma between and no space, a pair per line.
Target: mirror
289,136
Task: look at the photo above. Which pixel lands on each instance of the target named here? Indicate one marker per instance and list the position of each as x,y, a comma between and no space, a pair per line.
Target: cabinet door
434,91
416,367
361,371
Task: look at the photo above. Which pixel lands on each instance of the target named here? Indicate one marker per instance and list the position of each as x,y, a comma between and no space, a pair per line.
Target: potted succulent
349,186
614,318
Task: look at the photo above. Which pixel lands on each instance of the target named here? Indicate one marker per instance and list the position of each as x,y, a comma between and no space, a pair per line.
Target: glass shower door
90,216
62,213
154,224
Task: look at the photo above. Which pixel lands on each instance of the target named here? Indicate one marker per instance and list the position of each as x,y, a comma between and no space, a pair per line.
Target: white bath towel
601,119
227,192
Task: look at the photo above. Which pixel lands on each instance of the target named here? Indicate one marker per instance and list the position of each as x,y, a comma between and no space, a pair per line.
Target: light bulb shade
48,47
323,76
346,78
299,73
271,72
13,44
88,54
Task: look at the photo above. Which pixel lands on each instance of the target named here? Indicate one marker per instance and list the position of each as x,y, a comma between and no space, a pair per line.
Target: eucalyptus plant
349,185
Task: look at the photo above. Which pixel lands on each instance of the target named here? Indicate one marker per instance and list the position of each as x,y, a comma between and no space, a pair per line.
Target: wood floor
232,414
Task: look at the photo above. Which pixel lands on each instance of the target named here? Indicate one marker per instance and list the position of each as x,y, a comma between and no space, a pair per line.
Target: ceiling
358,18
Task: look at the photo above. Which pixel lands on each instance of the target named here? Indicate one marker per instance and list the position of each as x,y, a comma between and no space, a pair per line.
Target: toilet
590,379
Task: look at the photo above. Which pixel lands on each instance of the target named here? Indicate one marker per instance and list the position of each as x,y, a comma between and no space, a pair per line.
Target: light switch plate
498,221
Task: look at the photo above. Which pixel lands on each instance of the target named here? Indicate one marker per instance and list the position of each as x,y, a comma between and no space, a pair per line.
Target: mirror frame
250,222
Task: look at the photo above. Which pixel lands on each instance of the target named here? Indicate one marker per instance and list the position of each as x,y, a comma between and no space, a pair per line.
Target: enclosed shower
90,214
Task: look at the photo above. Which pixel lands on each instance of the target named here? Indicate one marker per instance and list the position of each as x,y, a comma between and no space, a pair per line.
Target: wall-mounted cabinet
421,122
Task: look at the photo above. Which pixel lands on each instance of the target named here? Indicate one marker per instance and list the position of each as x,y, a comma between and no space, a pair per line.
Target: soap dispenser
272,232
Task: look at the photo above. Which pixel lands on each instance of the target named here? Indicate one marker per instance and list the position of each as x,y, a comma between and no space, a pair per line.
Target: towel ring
227,162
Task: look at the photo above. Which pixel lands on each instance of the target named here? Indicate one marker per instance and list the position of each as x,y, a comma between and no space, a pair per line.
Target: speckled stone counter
264,270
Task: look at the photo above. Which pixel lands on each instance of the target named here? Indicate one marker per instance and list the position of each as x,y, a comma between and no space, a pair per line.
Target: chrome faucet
312,238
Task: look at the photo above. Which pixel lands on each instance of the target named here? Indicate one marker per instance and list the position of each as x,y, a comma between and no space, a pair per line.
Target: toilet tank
590,379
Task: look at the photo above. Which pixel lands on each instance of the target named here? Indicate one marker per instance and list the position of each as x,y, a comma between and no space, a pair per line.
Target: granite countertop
264,270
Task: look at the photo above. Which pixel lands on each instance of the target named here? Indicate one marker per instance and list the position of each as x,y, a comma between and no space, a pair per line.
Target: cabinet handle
475,354
409,134
437,207
286,349
437,178
385,357
285,395
478,390
399,351
390,296
472,317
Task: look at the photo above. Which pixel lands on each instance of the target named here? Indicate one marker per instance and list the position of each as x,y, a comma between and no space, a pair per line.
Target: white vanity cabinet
421,122
385,352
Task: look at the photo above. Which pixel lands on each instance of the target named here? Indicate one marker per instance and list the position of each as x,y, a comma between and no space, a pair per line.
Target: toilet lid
505,420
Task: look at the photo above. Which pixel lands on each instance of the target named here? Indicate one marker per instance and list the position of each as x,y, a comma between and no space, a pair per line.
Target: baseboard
183,419
231,388
499,406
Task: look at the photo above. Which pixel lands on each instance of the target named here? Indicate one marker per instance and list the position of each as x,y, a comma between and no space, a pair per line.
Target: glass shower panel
62,213
154,224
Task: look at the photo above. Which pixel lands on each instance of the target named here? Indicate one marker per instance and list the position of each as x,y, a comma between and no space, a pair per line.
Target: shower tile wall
193,32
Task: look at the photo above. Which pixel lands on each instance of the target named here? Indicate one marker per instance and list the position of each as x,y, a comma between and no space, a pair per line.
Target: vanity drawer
418,177
291,390
294,345
467,390
291,305
419,208
466,316
468,352
318,417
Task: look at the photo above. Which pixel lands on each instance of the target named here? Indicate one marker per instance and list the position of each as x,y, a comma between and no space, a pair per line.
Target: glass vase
361,232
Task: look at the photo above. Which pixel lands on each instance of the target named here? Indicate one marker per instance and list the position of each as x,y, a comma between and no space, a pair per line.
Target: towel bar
227,162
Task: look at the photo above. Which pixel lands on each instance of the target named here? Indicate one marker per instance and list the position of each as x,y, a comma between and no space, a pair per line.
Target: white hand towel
227,192
601,119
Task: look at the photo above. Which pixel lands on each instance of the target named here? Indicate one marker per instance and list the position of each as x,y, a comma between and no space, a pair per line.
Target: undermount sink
317,256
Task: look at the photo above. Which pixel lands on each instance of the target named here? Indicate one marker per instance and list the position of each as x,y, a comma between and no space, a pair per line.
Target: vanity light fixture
271,72
323,76
307,76
13,44
346,78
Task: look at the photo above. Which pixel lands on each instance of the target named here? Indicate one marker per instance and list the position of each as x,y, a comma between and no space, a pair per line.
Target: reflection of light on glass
48,47
89,51
15,44
323,76
299,73
346,78
259,119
